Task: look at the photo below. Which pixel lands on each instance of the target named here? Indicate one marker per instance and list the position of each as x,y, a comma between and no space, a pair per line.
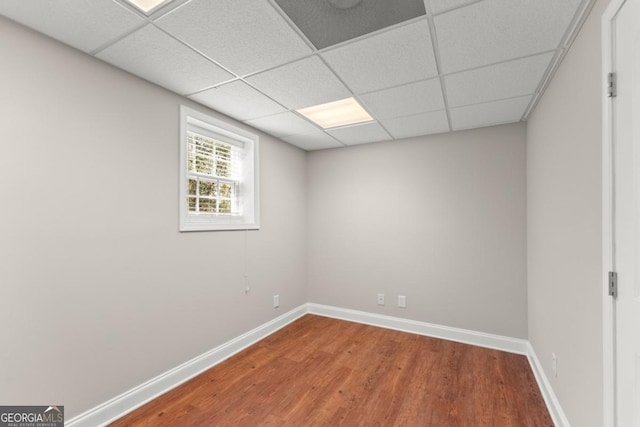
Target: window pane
192,187
223,169
191,157
207,205
192,204
226,190
207,188
223,151
204,164
225,206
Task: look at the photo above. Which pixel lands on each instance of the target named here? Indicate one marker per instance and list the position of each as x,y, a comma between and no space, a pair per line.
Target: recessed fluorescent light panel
337,113
147,5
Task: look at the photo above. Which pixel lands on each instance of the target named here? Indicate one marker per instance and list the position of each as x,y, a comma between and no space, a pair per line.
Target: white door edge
608,311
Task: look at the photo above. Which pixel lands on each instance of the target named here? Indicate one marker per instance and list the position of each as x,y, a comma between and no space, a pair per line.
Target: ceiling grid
418,67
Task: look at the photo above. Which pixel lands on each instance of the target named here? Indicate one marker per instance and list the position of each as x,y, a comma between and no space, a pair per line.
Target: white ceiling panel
244,36
405,100
490,113
313,141
85,25
238,99
153,55
391,58
439,6
360,134
283,124
492,31
301,84
247,58
419,124
505,80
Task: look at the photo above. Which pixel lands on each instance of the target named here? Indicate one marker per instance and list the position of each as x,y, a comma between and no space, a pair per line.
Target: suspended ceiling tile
85,25
301,84
405,100
313,141
326,25
489,113
419,124
244,36
283,124
238,100
505,80
360,134
390,58
491,31
439,6
151,54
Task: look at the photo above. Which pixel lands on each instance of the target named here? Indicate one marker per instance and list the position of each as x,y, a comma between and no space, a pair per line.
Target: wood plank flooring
319,371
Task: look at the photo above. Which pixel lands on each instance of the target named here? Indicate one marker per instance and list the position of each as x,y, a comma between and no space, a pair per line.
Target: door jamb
608,262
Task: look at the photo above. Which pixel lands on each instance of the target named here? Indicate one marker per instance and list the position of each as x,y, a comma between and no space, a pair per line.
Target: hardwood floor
319,371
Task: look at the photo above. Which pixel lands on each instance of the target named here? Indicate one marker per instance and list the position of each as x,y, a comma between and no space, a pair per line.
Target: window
218,174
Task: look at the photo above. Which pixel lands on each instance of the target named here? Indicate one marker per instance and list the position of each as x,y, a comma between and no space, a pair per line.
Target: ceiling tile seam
398,86
282,112
576,23
337,140
436,53
306,134
197,51
493,64
156,14
376,119
272,99
565,45
455,8
291,24
326,64
546,79
282,64
167,9
149,19
413,115
217,85
373,34
119,38
492,101
497,123
365,104
353,94
532,105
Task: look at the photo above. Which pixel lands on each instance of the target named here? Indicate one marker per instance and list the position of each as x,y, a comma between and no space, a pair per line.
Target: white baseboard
126,402
481,339
138,396
555,410
497,342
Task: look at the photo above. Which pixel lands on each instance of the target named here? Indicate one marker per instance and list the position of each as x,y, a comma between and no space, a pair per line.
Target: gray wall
100,292
564,227
440,219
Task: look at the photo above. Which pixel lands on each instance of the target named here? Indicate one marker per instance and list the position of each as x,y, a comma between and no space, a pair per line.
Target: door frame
608,261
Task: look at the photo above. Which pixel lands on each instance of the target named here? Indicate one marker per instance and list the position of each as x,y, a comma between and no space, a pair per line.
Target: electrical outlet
276,301
554,364
380,299
402,301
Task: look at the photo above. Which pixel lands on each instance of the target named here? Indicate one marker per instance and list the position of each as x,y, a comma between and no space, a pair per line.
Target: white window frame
247,215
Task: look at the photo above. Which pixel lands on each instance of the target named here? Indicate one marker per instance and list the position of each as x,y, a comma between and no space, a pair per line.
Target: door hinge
612,90
613,284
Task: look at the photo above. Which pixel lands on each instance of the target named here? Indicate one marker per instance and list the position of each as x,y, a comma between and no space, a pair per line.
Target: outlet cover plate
402,301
